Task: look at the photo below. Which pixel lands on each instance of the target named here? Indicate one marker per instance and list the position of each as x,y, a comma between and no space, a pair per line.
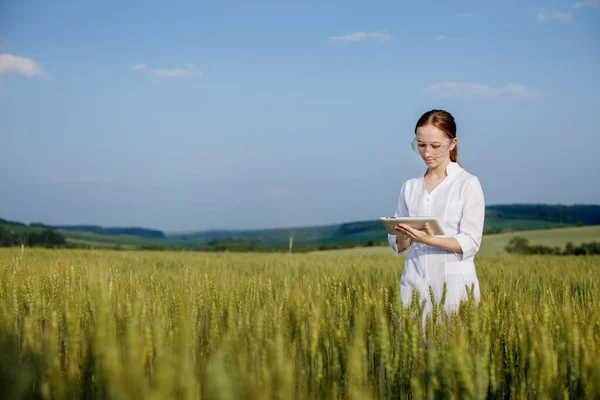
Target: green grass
123,240
494,244
82,237
165,325
100,245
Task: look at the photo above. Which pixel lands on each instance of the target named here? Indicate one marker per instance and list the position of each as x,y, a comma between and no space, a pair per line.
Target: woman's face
434,145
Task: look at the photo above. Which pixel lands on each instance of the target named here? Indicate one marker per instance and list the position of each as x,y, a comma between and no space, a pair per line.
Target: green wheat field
102,324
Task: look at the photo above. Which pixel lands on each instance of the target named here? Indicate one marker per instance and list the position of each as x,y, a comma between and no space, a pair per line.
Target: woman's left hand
423,235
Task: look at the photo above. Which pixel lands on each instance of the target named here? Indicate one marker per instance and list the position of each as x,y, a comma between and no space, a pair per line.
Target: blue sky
194,115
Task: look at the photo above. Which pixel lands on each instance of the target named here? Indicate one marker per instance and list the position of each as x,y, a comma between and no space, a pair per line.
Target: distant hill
310,234
113,231
499,218
132,231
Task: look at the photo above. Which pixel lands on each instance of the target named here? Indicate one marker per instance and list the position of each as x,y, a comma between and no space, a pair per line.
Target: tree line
578,214
44,238
255,246
520,245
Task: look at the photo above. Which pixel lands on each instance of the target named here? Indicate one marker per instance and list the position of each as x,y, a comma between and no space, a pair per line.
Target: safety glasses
433,149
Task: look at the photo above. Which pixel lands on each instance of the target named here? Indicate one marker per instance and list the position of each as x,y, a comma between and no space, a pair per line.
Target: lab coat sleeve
401,211
470,228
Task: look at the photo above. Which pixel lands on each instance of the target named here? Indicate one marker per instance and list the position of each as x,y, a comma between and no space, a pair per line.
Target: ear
454,143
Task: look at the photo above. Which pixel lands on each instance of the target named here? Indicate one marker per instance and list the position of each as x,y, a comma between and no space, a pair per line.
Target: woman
453,196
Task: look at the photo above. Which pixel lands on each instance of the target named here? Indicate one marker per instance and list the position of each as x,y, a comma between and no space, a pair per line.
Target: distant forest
520,245
44,238
574,214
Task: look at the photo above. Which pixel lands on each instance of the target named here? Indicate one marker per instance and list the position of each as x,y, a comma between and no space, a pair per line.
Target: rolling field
494,244
125,241
97,240
132,325
522,224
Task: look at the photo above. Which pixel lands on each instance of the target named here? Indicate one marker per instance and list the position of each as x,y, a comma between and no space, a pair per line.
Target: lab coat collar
452,169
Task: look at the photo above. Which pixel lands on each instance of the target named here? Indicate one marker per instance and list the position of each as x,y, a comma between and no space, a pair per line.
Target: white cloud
361,36
588,3
277,193
10,63
470,89
139,67
563,17
446,38
187,71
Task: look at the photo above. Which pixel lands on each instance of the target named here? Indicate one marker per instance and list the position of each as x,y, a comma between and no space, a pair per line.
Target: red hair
444,121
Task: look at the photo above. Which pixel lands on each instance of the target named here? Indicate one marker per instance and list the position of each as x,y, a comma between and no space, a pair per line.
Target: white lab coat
458,203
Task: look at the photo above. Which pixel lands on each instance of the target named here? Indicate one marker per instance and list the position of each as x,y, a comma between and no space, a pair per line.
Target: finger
405,227
409,229
401,231
429,230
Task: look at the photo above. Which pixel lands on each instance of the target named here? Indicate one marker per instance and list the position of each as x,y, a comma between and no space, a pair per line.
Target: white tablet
415,222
